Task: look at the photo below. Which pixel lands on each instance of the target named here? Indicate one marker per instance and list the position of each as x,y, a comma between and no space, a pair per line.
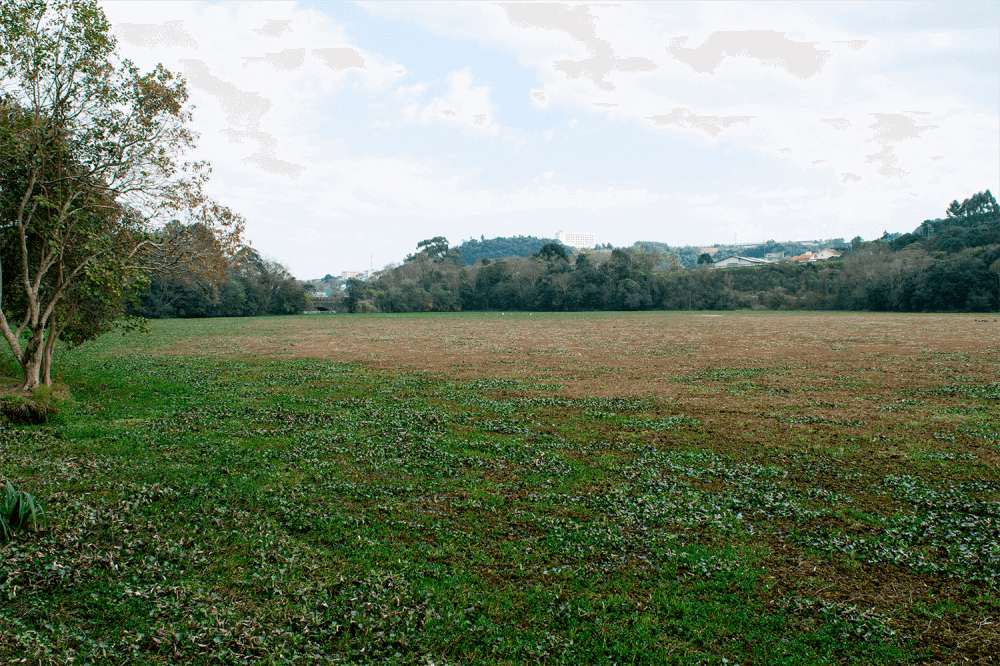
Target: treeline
910,273
250,286
949,264
972,223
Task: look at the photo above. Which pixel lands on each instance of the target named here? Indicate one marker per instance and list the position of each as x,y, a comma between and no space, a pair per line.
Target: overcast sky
348,132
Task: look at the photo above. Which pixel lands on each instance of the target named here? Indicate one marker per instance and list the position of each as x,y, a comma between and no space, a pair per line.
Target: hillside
502,247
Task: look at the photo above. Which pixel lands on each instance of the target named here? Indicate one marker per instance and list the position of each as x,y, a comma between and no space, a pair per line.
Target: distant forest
252,286
948,264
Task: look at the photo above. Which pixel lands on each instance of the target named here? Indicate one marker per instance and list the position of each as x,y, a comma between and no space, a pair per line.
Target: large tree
91,168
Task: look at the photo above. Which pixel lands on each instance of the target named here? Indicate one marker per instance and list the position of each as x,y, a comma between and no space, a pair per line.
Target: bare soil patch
737,372
629,352
766,360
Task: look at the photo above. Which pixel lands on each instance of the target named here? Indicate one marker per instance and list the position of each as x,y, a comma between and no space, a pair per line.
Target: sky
347,132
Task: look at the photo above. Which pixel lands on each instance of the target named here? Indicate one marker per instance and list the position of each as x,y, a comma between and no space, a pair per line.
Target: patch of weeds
828,405
497,383
727,374
946,532
987,431
847,620
810,419
10,367
18,511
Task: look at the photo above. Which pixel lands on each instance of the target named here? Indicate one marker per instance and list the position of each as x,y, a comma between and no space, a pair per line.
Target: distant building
734,260
774,256
574,239
347,275
822,255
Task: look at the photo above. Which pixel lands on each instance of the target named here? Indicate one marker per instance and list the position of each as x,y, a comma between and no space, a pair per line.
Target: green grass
219,508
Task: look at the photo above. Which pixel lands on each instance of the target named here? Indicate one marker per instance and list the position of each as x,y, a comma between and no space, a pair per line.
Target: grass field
605,488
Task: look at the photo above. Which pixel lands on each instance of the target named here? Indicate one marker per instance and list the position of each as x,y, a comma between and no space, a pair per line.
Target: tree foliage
502,247
552,252
973,223
90,168
436,249
251,286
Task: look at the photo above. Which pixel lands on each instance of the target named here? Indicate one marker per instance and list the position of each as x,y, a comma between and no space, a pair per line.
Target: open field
752,488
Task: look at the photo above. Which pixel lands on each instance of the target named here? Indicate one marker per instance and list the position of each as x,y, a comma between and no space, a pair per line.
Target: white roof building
822,255
734,260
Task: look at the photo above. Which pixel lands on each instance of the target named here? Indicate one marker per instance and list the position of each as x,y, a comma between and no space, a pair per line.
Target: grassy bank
218,506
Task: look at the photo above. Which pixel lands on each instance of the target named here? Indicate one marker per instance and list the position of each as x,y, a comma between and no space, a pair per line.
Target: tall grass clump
19,510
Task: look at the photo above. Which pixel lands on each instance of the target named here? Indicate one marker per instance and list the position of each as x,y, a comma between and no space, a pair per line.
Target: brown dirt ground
631,353
839,366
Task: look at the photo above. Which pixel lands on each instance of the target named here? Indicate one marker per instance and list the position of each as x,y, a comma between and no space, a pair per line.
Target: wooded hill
951,264
498,248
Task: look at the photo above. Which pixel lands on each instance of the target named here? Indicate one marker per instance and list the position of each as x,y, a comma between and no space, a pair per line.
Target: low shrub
10,368
18,511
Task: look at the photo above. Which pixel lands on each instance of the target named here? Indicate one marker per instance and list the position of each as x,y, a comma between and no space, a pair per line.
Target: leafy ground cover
232,491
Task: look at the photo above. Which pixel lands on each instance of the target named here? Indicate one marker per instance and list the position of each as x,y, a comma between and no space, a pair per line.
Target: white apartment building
346,275
574,239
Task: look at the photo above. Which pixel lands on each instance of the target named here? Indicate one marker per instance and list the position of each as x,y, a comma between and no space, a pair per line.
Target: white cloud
464,104
314,131
940,39
703,59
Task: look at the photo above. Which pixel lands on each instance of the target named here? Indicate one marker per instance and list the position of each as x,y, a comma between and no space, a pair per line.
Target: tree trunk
49,351
31,360
46,366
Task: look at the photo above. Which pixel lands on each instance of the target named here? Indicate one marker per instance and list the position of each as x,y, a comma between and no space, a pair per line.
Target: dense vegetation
944,265
973,223
252,286
497,248
949,264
